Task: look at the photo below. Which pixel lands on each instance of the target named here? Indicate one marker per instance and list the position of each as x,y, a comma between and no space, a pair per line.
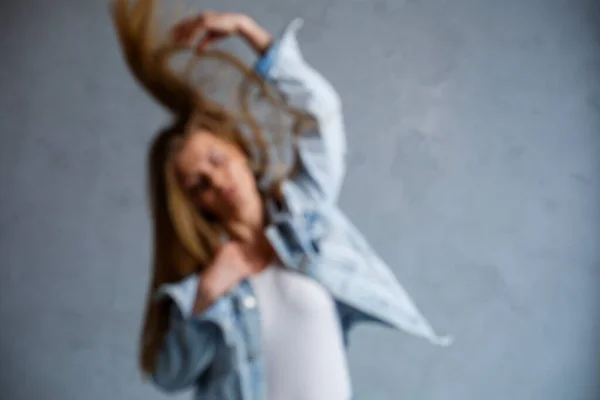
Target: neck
249,232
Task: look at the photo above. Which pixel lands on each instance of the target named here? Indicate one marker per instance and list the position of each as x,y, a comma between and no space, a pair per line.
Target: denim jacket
218,351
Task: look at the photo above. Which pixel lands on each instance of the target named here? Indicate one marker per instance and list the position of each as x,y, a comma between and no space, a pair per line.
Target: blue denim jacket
218,352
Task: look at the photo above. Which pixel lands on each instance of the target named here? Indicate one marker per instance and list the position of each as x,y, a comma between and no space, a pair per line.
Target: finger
181,31
188,33
189,24
207,40
207,14
184,22
206,20
204,43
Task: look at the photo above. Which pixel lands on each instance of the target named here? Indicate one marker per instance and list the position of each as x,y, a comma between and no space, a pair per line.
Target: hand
212,25
227,269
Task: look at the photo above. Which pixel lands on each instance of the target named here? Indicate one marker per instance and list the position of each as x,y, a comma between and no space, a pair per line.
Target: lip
229,194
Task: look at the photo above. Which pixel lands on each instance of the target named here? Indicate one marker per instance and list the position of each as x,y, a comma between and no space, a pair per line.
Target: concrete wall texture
474,134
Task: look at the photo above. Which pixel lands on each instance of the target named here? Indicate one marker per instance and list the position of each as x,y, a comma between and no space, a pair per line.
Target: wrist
256,36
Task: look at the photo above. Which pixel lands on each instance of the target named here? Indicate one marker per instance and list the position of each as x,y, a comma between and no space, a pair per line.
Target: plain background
474,134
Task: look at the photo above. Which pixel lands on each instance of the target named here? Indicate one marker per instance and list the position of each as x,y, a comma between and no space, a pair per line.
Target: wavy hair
184,240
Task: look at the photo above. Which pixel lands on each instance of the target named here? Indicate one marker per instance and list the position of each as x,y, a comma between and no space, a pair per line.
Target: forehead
197,142
192,149
196,147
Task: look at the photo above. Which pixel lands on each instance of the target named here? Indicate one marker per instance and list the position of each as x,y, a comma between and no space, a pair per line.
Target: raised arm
321,150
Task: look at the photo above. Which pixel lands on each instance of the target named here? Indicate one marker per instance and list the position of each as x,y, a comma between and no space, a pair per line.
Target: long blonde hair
184,241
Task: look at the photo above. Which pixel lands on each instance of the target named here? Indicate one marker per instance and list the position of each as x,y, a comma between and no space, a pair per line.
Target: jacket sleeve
321,150
191,342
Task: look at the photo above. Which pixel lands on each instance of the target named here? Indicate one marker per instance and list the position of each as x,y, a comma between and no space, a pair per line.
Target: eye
217,157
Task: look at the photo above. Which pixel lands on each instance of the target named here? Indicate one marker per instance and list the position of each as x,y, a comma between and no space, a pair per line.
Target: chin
249,210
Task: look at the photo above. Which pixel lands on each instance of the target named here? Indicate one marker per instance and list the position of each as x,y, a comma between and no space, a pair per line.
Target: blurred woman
258,276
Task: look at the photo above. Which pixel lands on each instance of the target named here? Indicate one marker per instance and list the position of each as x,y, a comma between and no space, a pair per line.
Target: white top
303,348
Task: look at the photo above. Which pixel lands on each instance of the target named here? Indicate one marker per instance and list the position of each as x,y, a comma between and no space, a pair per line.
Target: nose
217,180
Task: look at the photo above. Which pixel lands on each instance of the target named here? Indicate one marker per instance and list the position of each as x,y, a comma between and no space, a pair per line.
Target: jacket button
249,302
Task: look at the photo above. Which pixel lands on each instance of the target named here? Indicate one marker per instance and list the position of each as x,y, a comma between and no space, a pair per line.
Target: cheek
243,174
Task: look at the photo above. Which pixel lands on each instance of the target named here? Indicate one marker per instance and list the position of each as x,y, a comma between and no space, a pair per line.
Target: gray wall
475,152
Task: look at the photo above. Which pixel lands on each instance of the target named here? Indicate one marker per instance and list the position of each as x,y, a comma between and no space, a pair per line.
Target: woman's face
217,176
